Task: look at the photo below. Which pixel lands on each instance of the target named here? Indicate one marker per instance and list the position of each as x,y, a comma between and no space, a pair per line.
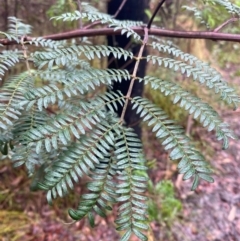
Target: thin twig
120,8
189,125
25,55
92,24
126,47
155,13
114,16
126,64
225,24
135,123
80,10
134,75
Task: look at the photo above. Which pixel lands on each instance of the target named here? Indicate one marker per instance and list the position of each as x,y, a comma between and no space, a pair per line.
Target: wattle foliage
55,117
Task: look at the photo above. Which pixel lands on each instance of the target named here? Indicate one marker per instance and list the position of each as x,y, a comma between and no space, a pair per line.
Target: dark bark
6,15
16,6
132,10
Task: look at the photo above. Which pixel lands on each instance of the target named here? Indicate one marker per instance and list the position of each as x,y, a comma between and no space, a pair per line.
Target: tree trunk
6,15
132,10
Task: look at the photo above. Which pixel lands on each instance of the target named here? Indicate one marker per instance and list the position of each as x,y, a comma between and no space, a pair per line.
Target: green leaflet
173,138
208,117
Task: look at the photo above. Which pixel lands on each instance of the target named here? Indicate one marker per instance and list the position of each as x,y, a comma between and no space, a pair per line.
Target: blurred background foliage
163,206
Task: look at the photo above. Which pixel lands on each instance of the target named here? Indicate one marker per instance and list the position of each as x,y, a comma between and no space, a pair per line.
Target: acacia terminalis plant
55,119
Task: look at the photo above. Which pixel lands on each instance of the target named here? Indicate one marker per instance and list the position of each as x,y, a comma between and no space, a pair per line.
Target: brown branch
25,55
155,13
126,64
139,30
225,24
92,24
134,75
120,8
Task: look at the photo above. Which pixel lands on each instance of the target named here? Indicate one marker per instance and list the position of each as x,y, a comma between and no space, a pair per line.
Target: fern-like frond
125,27
56,74
87,7
83,64
27,121
132,214
59,120
102,192
79,81
207,116
23,154
104,18
26,155
203,74
88,77
10,95
198,14
66,55
228,6
79,159
162,41
89,15
8,59
9,37
17,28
198,69
72,122
46,43
12,137
192,163
108,100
